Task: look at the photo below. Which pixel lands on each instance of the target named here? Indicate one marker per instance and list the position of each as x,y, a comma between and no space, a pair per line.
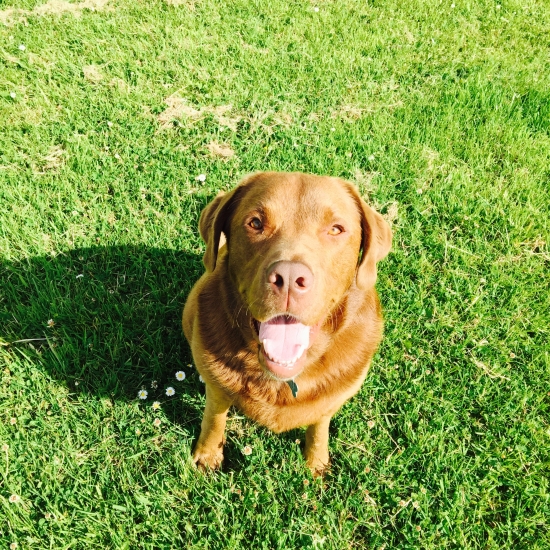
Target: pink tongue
283,337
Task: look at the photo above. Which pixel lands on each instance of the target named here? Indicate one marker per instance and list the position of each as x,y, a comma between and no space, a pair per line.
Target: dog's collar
293,387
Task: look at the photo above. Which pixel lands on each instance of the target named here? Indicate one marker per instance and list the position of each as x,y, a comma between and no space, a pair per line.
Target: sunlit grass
439,112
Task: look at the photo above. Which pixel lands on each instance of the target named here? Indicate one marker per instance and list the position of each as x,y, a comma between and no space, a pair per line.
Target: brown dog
285,321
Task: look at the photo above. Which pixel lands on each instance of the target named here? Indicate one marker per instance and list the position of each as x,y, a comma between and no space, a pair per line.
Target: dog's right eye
256,224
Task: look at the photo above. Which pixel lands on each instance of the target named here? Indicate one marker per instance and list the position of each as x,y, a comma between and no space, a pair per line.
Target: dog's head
296,244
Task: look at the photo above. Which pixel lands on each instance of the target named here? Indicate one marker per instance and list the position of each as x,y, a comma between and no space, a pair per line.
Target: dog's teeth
287,364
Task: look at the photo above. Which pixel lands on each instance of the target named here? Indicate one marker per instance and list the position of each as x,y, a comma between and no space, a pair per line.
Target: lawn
110,110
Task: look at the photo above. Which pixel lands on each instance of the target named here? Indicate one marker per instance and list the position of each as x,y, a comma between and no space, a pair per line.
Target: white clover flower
170,391
13,95
315,9
14,498
156,405
51,323
110,124
247,451
142,394
201,178
22,47
180,376
156,422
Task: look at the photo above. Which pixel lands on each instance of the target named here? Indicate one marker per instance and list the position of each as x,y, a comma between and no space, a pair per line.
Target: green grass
441,115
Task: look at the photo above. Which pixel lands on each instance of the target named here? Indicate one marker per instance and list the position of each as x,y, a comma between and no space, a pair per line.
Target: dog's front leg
316,449
208,452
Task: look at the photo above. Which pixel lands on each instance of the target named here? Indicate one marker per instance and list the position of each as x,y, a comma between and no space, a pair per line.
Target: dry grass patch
392,213
283,119
52,161
179,108
364,181
10,16
121,85
220,150
349,113
92,74
189,4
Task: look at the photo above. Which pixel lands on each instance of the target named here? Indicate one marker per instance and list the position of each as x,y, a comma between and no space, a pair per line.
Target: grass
439,112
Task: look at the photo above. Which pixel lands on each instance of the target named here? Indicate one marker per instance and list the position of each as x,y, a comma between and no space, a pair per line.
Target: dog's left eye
256,224
335,230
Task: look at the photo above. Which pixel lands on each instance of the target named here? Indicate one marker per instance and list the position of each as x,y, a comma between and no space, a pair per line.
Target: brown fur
297,211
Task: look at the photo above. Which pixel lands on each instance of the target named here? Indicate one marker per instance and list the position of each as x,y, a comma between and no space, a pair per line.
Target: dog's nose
292,278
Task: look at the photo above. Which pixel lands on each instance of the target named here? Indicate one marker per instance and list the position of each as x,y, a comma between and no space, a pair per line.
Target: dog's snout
293,278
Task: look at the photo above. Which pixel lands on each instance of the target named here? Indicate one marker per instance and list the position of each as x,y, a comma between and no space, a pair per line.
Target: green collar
293,387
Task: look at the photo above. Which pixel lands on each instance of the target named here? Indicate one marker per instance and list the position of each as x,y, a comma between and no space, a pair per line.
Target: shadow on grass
102,320
106,322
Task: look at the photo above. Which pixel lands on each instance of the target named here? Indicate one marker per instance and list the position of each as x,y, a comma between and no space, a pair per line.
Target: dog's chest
280,417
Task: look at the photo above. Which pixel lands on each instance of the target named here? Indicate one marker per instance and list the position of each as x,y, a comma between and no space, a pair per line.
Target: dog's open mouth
283,342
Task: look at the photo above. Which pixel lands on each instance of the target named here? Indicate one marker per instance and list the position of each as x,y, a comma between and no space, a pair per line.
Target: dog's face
294,244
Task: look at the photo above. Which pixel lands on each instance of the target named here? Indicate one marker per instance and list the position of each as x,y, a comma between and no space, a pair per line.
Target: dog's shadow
102,320
106,322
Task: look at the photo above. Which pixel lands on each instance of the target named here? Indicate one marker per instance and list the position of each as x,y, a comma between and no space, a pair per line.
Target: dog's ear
376,242
211,225
215,219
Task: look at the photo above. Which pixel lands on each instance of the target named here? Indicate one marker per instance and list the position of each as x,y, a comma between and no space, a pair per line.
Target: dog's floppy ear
215,220
211,225
376,243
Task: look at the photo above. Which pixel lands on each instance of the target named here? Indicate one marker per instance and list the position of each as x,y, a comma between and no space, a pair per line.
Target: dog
285,321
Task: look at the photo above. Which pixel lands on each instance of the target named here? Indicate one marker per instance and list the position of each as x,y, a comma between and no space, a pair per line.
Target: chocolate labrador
285,321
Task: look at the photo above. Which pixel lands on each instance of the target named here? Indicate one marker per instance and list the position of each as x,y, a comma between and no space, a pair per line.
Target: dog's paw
208,459
318,465
319,470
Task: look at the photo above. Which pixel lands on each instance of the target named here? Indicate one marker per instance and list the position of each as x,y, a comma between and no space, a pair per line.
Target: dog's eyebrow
330,215
258,209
